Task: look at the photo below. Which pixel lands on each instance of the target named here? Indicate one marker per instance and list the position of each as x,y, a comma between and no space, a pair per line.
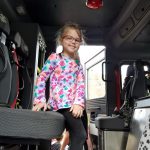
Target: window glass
95,84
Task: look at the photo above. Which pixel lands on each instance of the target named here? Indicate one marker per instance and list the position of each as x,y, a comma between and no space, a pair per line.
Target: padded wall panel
142,8
127,27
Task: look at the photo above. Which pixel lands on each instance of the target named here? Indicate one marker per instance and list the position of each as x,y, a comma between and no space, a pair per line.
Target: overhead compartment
127,27
141,10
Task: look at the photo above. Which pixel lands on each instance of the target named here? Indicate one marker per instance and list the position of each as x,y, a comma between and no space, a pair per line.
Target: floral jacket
67,85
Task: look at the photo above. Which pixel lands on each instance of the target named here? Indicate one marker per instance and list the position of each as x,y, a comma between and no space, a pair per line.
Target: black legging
76,130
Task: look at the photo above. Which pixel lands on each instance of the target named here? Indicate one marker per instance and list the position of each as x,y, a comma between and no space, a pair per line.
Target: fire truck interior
119,120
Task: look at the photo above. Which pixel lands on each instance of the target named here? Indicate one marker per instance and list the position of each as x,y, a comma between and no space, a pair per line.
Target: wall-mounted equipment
94,4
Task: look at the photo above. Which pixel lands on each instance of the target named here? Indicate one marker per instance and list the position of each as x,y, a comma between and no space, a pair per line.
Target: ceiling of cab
51,14
112,22
58,12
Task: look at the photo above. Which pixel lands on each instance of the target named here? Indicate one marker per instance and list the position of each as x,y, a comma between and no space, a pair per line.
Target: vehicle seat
19,126
135,88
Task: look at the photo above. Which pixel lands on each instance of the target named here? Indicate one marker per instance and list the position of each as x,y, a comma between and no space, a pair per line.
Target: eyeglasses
70,39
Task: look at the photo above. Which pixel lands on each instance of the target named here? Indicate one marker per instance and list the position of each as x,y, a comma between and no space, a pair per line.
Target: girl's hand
39,106
77,110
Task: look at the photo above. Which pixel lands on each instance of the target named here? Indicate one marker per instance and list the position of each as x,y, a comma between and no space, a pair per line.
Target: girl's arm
39,89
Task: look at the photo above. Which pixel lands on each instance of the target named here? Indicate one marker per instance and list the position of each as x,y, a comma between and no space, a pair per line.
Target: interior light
94,4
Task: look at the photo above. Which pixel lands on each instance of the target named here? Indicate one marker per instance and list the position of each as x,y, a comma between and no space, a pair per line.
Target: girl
67,88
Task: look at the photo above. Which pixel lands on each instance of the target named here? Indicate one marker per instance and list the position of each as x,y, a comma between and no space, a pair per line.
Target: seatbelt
15,76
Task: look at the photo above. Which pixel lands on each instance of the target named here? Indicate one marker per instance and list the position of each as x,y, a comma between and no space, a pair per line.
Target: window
95,86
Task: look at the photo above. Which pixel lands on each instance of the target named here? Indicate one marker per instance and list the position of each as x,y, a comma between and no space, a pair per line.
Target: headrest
4,24
17,39
130,71
21,46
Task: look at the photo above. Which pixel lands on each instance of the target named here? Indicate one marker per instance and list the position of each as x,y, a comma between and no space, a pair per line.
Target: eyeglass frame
71,38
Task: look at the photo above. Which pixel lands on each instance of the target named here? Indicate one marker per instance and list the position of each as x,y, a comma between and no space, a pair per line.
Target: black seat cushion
28,124
110,123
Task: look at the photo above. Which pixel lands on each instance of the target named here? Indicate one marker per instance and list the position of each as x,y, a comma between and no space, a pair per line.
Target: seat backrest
134,88
138,87
126,92
5,67
135,83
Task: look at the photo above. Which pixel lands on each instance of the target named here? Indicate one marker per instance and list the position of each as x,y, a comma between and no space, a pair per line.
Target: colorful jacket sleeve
80,91
39,88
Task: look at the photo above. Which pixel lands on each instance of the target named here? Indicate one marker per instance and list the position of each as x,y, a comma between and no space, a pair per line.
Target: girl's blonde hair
67,26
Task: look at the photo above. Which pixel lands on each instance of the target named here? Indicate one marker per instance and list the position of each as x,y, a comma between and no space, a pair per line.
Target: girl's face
70,42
